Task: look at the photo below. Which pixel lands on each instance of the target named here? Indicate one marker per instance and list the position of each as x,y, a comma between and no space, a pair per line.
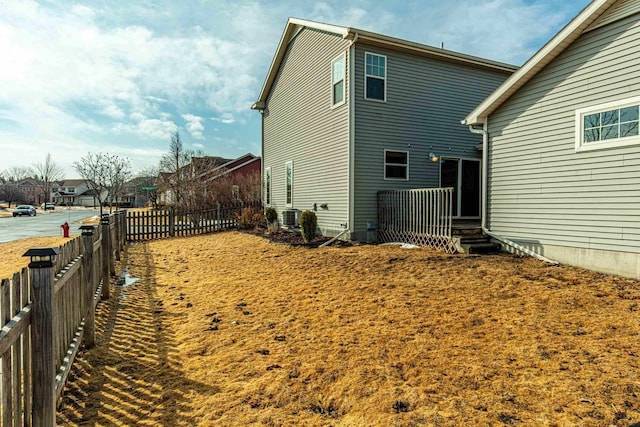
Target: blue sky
121,76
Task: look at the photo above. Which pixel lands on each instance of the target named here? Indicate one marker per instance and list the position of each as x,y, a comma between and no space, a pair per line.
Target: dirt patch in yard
230,329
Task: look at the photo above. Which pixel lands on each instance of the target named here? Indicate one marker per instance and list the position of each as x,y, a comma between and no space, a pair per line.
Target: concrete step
482,248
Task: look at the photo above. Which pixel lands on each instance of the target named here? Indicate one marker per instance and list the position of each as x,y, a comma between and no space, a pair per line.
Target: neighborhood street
43,224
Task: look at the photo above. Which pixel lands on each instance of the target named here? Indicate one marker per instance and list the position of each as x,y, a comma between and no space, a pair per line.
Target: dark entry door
464,176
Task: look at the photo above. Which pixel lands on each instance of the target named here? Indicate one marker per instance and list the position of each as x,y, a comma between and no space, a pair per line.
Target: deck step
475,242
482,248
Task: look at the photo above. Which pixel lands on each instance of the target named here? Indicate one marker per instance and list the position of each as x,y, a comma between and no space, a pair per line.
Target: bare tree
11,193
175,163
228,187
103,172
48,172
16,173
120,173
182,171
146,180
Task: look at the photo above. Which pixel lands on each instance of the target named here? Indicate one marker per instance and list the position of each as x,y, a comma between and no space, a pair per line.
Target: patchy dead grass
228,329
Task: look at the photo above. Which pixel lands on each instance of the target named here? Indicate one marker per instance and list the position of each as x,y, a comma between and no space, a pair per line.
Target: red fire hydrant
65,229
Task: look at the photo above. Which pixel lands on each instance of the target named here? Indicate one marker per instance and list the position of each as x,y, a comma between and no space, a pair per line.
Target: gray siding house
347,113
563,148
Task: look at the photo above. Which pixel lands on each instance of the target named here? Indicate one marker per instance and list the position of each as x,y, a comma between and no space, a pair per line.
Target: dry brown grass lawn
228,329
12,259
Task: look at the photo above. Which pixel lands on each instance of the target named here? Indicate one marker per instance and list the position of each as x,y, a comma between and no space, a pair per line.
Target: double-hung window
289,184
337,81
267,186
396,165
375,77
609,125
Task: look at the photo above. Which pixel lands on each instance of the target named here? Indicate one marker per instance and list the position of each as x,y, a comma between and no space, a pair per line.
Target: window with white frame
289,183
235,193
267,186
337,81
375,77
608,125
396,165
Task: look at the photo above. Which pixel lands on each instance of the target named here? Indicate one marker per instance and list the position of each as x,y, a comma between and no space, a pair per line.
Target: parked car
48,206
24,210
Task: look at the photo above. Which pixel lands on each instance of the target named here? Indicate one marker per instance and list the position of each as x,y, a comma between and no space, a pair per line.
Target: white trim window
337,81
267,186
615,124
396,165
235,193
375,77
289,184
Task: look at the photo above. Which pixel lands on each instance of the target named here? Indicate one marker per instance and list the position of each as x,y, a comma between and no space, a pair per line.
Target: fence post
116,234
106,250
219,227
87,286
172,222
43,412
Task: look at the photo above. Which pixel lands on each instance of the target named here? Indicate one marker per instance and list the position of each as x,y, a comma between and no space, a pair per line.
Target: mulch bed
292,237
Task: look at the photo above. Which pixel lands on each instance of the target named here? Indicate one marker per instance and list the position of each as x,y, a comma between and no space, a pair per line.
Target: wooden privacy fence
420,217
46,310
158,224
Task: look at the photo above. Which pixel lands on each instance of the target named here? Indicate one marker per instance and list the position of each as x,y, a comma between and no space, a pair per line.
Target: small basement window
608,125
375,77
396,165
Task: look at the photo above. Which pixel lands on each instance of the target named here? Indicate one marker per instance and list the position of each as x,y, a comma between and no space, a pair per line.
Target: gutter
484,200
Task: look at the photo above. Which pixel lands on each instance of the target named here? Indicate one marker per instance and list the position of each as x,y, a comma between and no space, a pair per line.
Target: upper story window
375,77
337,81
396,165
608,125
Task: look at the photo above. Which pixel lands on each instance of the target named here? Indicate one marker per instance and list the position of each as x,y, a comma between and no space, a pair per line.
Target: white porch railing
420,217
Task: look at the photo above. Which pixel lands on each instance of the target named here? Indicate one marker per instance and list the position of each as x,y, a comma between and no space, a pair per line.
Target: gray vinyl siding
621,9
301,126
426,99
543,192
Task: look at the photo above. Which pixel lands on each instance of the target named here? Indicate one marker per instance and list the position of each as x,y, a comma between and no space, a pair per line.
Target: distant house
237,180
347,113
562,144
214,179
137,192
74,192
32,190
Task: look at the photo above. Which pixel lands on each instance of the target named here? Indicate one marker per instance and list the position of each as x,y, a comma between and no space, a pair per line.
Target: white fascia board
544,56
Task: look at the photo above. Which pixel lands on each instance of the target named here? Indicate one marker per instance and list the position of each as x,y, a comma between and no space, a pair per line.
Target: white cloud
226,118
194,125
94,71
155,128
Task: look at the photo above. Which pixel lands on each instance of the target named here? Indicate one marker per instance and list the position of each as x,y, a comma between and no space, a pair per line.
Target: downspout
346,230
485,198
351,129
262,189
